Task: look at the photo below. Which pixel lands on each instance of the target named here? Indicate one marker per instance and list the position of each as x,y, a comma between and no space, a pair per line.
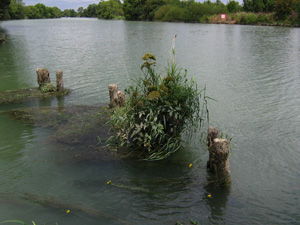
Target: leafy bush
161,12
157,111
111,9
174,14
284,8
249,19
233,6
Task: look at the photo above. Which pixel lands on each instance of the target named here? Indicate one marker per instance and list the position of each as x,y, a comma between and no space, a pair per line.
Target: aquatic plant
158,110
47,87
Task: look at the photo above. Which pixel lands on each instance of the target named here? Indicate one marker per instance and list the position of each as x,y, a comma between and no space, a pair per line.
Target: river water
253,73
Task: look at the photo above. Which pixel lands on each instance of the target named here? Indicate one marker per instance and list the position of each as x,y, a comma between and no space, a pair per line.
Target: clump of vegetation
158,110
47,87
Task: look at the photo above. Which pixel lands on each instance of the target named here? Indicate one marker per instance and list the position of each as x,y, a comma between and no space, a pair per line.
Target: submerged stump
117,98
59,80
43,76
218,162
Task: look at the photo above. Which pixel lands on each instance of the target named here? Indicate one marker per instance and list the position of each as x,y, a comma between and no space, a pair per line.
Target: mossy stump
218,162
59,80
117,98
43,76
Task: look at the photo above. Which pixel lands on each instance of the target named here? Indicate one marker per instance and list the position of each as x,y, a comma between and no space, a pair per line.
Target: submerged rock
82,132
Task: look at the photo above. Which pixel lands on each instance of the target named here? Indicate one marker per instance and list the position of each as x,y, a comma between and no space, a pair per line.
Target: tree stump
218,162
117,98
43,76
59,80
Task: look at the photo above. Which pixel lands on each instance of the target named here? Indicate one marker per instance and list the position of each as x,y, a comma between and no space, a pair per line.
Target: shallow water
252,72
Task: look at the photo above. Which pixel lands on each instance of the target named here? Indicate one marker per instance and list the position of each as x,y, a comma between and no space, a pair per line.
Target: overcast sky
75,4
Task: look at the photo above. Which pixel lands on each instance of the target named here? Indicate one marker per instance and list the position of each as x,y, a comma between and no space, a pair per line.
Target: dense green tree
16,9
259,5
150,7
40,11
90,11
248,6
44,11
69,13
298,10
269,5
3,7
284,8
233,6
31,12
175,13
80,11
111,9
55,12
134,9
161,12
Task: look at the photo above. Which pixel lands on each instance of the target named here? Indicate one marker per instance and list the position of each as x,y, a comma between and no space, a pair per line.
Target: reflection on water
253,72
216,198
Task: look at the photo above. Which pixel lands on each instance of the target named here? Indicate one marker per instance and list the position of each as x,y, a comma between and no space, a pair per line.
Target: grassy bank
263,19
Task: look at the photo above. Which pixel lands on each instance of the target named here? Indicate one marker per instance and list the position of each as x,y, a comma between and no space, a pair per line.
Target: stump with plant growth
158,109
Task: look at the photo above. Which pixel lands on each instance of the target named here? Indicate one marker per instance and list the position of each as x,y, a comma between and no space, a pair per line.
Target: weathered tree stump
43,76
59,80
117,98
218,162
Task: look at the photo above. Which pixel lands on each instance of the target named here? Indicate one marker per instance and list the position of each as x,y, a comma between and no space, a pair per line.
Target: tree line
161,10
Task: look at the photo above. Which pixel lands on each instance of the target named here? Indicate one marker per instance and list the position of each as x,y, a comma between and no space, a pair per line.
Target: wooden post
117,98
43,76
218,162
59,80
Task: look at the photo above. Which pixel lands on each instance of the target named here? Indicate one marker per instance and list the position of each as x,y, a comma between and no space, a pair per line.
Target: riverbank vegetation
252,12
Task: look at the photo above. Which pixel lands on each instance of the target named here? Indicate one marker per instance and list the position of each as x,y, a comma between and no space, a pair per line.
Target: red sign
223,16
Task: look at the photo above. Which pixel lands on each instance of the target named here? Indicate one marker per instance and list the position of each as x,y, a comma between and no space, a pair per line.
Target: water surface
253,73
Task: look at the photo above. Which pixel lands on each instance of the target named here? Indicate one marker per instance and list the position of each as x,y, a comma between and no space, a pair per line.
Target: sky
75,4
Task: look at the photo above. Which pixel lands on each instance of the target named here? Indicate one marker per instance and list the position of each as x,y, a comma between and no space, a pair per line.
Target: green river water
254,74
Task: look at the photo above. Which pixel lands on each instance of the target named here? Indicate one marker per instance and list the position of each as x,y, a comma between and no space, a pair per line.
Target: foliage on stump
47,87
